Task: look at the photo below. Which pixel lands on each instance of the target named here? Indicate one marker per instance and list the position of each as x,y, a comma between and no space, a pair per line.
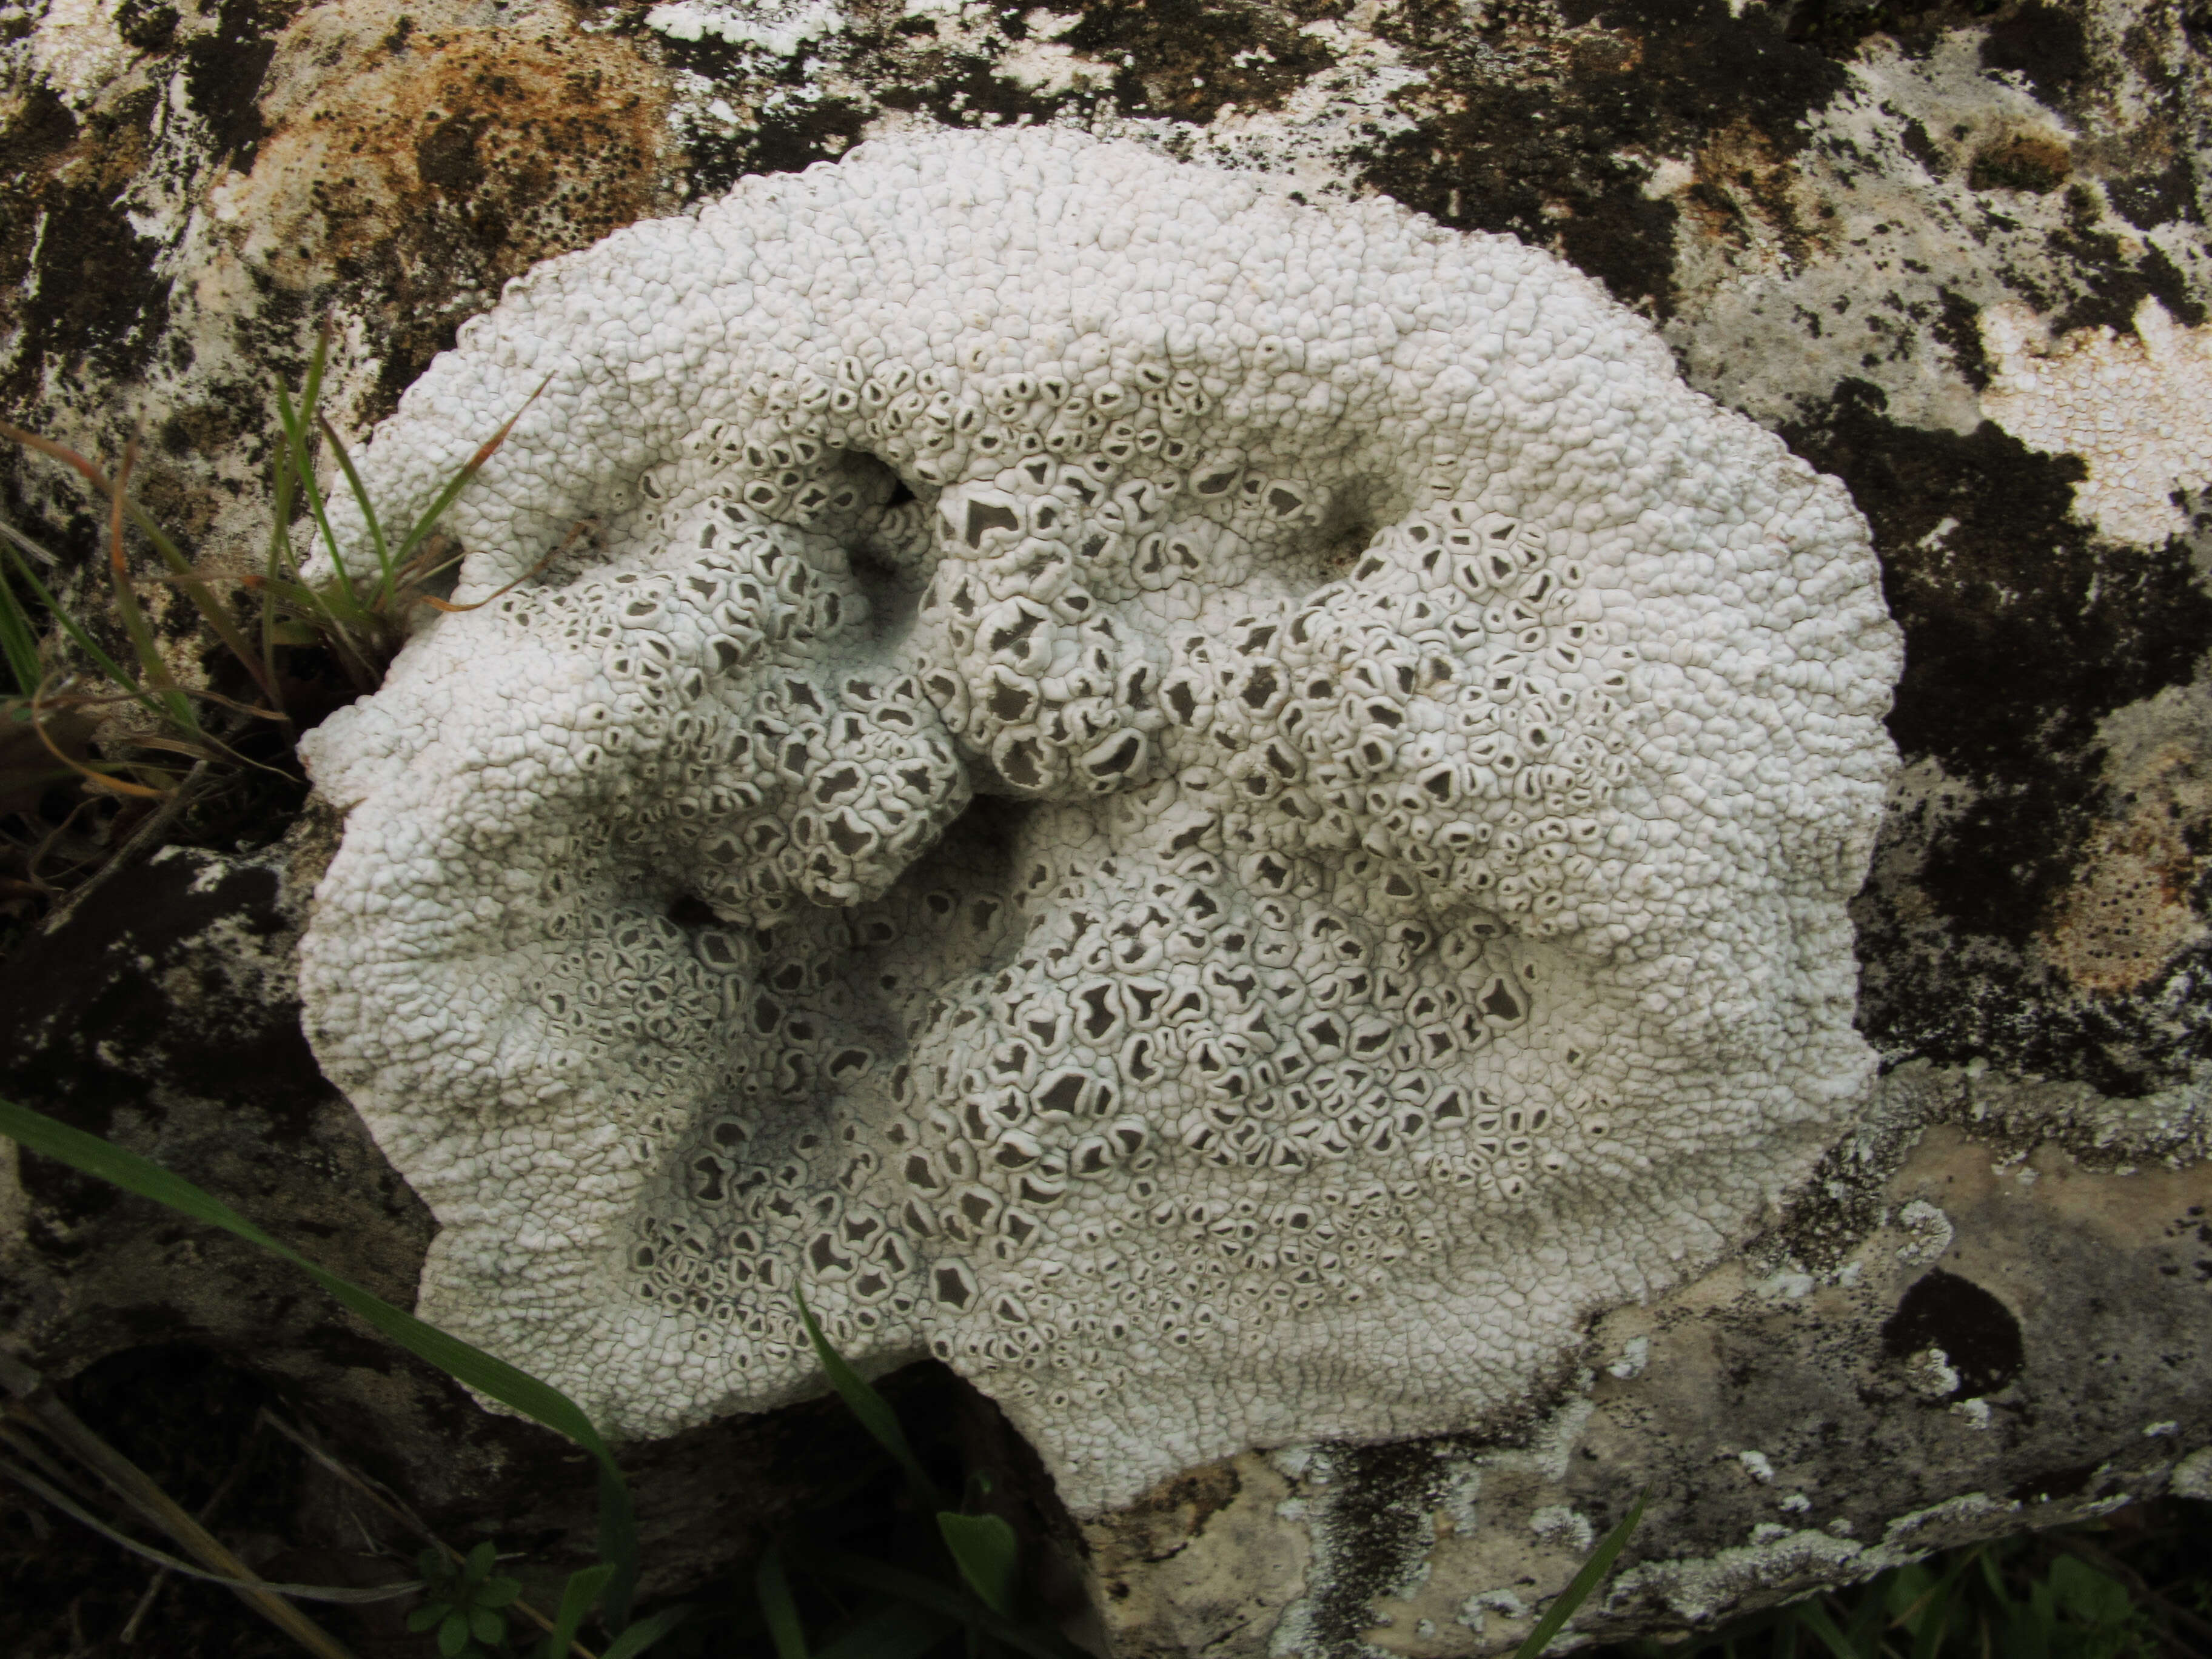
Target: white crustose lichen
1419,752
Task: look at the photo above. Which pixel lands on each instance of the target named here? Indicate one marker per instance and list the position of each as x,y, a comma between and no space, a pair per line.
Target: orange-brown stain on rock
2032,161
1747,194
1164,1521
2130,909
430,170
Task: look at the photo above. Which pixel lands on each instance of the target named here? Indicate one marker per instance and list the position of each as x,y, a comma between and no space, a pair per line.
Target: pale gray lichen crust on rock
1422,751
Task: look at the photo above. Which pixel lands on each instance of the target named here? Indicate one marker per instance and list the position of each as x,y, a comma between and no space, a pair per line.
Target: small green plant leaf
577,1597
498,1592
478,1565
637,1638
988,1555
874,1412
1580,1586
486,1626
453,1634
465,1363
2087,1594
773,1586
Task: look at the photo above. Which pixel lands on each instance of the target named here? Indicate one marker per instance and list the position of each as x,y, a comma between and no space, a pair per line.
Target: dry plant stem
566,542
32,869
128,1634
60,1497
406,1517
36,1403
145,836
98,780
202,596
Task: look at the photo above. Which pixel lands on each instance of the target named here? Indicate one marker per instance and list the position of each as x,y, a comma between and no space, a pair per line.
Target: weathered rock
1957,260
2016,1341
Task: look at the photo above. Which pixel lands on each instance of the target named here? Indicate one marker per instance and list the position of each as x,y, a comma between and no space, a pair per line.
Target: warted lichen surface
1423,752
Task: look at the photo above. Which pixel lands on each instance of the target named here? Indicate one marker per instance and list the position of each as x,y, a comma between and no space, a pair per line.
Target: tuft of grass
92,735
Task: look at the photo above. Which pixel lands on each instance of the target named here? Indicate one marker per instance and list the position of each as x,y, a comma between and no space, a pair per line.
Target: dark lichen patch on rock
1377,1529
81,286
1536,127
1184,59
1958,329
2113,281
2044,45
1181,60
2022,631
113,1008
224,71
1843,27
788,139
2149,197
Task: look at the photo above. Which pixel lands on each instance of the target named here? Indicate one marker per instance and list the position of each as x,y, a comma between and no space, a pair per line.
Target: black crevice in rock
1979,1335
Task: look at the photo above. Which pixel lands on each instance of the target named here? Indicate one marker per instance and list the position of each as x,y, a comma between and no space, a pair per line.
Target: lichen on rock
1422,751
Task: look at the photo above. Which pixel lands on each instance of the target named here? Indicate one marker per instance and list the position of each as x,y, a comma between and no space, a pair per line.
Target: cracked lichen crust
1421,752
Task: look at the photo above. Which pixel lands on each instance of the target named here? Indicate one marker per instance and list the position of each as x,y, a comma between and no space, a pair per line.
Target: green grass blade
577,1597
303,470
83,641
896,1633
361,500
510,1386
19,639
279,561
637,1638
874,1412
213,611
1580,1586
152,670
423,526
987,1552
772,1587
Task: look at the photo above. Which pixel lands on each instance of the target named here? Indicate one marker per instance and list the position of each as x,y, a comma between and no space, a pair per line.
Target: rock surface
1953,254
